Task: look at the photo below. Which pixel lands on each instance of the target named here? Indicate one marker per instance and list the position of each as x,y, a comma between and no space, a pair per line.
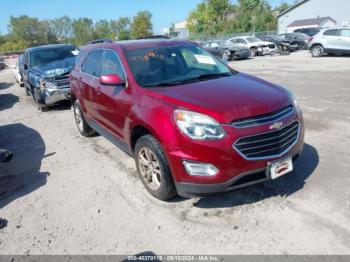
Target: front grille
62,81
268,145
263,119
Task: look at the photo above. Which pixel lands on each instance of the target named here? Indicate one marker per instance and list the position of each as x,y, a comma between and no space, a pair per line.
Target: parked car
2,64
331,41
226,50
297,41
283,46
308,31
193,125
46,73
99,41
18,70
256,46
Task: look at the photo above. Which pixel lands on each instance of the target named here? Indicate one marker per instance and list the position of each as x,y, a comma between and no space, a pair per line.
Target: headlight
292,98
198,126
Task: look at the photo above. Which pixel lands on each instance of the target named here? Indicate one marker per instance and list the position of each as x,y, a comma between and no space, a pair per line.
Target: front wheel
153,168
317,51
226,55
253,51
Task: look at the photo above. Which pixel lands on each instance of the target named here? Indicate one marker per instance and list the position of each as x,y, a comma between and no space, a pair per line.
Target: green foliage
25,31
122,28
141,25
213,17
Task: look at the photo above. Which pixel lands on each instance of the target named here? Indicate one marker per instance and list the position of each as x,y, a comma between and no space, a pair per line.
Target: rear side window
111,64
80,57
91,65
331,32
345,32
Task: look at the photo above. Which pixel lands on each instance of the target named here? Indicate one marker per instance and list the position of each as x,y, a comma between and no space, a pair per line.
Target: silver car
331,41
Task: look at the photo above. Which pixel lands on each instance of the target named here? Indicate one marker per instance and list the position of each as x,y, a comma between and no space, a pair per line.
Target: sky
164,12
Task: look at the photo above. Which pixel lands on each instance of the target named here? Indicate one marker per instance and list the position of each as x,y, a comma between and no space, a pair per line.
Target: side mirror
111,80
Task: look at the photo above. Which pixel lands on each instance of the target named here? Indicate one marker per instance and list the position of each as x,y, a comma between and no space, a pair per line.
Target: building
324,22
337,11
179,30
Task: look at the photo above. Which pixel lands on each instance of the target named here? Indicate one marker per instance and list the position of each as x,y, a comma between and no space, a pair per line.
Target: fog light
200,169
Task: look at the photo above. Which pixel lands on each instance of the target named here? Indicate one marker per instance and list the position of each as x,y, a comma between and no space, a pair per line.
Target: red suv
194,126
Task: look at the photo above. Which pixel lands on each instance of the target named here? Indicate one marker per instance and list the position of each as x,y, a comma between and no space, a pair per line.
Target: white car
256,46
331,41
17,71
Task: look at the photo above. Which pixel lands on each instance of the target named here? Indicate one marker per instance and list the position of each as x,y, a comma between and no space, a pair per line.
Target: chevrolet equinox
194,126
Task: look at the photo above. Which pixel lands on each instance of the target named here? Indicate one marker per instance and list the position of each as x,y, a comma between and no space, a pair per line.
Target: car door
345,39
113,102
331,39
89,81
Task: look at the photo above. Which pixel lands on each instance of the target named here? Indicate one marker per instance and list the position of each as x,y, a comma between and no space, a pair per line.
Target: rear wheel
83,128
317,51
153,168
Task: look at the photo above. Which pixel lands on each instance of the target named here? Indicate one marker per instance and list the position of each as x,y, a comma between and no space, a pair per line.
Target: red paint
225,99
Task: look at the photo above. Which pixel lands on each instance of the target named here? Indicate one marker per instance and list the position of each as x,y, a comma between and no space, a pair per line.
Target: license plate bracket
280,167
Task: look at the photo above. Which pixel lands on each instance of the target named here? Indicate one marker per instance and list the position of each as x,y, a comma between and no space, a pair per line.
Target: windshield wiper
190,80
206,76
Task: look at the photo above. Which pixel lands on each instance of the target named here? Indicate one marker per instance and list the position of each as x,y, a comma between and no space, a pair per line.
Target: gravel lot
65,194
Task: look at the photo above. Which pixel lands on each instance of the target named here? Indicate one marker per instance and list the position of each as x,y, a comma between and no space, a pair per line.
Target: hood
56,68
227,98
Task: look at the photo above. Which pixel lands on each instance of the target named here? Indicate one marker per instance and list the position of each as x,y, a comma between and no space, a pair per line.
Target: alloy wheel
78,118
149,168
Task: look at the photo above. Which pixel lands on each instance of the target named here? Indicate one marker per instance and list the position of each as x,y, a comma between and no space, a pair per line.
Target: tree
141,25
103,29
210,16
82,30
122,28
62,27
28,29
282,7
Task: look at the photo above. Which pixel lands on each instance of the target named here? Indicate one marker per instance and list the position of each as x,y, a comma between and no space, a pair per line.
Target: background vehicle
99,41
46,73
331,41
308,31
2,64
283,46
18,70
256,46
226,50
296,40
174,108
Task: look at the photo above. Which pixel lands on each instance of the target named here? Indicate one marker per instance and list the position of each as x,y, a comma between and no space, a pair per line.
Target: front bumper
235,171
242,54
50,97
242,180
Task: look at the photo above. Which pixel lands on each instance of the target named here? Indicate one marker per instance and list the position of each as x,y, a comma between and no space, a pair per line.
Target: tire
253,51
226,55
83,128
26,90
317,51
42,108
160,183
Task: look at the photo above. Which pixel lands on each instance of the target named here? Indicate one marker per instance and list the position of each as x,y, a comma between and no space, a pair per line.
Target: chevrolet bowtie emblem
276,125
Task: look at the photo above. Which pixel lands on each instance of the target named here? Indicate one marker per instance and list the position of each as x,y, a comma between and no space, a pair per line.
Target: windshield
173,65
45,56
252,39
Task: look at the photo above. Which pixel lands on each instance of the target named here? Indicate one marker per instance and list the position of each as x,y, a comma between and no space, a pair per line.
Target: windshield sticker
203,59
75,52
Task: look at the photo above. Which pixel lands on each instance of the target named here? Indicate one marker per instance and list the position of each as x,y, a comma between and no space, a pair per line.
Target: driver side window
111,64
